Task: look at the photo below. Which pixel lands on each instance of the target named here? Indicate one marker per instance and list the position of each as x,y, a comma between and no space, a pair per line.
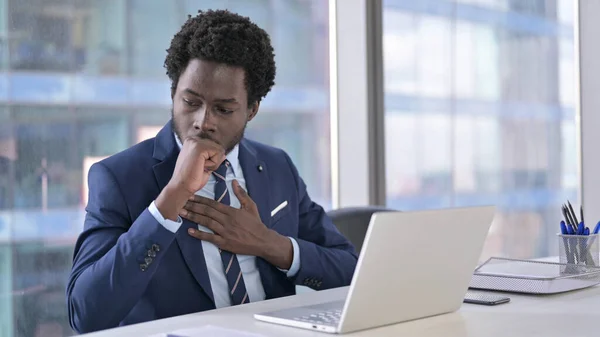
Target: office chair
353,222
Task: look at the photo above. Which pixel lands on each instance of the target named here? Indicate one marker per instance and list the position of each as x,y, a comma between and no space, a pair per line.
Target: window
85,80
480,109
3,40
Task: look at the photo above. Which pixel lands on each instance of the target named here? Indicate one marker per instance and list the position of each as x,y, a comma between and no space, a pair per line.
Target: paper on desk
208,330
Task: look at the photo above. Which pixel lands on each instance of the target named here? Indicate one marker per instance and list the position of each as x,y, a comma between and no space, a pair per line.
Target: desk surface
523,316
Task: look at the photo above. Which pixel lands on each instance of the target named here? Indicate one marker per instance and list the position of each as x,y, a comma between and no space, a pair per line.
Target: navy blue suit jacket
107,286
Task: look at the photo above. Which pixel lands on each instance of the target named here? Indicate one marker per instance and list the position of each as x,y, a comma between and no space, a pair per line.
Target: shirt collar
232,156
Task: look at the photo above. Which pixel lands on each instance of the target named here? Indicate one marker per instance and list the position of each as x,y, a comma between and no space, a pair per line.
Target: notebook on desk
412,265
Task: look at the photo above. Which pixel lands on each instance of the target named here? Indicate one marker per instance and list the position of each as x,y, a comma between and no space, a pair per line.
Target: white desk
523,316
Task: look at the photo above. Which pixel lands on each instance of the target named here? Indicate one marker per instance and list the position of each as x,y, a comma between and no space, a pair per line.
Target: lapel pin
259,167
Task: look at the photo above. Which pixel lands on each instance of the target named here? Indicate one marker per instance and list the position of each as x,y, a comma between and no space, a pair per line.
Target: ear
253,110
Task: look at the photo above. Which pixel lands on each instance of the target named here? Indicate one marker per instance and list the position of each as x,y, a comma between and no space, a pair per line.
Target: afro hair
224,37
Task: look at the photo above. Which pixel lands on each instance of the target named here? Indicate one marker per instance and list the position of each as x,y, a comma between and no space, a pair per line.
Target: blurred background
479,109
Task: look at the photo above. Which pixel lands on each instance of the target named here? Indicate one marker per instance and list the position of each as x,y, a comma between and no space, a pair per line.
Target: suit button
156,247
319,284
148,260
151,253
143,266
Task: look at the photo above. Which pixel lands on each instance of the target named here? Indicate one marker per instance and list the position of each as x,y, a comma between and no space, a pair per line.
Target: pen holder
578,250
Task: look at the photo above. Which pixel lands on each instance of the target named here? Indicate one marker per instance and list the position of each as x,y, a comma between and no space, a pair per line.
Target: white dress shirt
214,265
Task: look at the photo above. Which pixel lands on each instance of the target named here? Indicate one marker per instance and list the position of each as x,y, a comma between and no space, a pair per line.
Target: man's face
211,102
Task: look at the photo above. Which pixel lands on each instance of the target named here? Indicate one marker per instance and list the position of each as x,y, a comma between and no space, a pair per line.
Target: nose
205,121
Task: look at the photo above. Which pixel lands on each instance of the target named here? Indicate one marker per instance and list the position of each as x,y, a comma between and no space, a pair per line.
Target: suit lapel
192,252
256,174
166,150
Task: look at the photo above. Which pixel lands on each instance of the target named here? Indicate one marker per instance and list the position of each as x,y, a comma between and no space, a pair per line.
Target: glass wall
81,80
480,109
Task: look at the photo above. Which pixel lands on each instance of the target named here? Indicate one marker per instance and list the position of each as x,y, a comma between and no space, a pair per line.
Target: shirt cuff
295,260
170,225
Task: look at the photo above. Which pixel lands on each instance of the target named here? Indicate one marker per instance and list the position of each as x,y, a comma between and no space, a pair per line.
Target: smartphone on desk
485,299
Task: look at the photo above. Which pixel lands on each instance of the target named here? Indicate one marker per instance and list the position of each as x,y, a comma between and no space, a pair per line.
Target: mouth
205,136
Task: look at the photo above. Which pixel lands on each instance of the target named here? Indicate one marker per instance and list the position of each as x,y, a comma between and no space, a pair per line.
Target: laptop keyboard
330,317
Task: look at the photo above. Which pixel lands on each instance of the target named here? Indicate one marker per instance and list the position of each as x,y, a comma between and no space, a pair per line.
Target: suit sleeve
327,258
114,259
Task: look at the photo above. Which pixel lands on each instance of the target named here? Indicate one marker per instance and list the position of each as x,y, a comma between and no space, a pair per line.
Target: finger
210,166
205,221
200,235
215,152
211,151
211,203
238,190
213,162
245,201
198,209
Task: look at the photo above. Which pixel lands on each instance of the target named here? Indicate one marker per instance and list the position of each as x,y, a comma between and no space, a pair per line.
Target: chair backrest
353,222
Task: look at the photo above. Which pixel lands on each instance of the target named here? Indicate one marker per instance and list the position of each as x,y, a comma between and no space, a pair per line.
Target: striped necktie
233,272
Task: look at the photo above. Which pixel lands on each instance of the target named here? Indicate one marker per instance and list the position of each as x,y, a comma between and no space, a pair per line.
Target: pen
563,228
566,215
597,228
570,224
564,212
574,222
573,213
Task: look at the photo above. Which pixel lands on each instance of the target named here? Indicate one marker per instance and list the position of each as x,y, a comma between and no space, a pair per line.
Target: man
200,217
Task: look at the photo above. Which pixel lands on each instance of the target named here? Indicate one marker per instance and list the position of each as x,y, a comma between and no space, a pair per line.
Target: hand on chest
272,203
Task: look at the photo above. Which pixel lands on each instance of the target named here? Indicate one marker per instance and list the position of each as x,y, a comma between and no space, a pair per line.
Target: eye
190,103
224,111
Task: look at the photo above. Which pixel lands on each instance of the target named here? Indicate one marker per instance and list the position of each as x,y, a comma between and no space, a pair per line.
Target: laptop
412,265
